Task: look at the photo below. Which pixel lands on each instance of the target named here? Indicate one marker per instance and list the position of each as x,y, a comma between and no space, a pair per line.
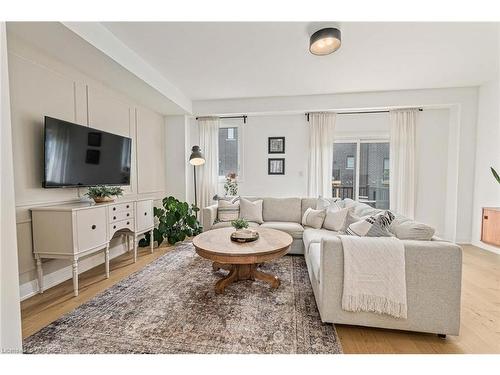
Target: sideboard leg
75,277
128,242
151,240
39,273
136,243
106,260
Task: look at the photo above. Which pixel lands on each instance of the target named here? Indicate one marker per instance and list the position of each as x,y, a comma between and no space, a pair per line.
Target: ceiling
257,59
58,41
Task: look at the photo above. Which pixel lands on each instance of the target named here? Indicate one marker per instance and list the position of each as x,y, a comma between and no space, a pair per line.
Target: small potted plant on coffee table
242,233
103,193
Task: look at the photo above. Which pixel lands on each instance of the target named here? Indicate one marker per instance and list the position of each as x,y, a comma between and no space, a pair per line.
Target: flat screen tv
78,155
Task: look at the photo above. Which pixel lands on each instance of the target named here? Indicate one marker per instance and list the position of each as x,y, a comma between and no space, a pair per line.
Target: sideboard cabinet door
144,215
91,226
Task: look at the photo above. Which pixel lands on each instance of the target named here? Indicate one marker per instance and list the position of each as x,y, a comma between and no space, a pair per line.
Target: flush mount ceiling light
325,41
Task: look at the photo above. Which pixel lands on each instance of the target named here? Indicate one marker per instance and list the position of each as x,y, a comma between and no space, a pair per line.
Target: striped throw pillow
227,211
372,226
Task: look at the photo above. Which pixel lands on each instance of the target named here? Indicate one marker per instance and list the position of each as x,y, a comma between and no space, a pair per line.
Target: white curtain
402,181
208,172
321,129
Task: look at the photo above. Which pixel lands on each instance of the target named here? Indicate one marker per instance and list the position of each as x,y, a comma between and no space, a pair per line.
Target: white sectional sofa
433,269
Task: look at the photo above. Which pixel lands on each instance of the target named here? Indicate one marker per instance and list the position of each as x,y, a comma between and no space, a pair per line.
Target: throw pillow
227,211
251,211
350,218
372,226
313,218
335,219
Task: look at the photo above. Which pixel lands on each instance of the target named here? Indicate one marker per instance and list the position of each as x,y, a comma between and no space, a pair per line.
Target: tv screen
77,155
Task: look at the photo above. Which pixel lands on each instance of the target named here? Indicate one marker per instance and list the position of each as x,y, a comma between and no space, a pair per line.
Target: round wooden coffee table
242,259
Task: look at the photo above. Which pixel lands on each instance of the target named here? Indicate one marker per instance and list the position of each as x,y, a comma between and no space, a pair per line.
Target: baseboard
486,247
30,288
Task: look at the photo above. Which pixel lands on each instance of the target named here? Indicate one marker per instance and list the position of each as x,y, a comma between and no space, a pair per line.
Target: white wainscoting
42,86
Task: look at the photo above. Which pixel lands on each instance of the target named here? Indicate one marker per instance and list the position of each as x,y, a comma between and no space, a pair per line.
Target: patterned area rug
170,307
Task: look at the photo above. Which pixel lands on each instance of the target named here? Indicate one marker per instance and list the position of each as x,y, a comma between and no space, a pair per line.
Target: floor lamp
195,159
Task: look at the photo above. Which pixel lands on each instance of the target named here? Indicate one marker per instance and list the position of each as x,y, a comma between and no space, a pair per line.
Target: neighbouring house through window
229,150
361,171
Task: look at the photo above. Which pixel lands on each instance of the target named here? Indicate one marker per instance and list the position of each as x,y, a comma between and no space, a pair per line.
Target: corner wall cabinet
74,230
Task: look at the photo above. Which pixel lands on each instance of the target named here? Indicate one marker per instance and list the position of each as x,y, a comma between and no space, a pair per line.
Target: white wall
486,189
432,161
458,149
256,181
176,131
41,85
10,314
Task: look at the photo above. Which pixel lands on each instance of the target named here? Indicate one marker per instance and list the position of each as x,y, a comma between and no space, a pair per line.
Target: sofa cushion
281,209
312,235
360,209
407,229
314,257
308,203
293,229
323,203
226,224
251,211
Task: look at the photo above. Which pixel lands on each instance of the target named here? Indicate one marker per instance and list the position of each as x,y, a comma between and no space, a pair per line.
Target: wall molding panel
41,85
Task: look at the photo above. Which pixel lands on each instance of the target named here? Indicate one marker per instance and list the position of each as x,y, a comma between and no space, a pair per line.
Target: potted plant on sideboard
103,193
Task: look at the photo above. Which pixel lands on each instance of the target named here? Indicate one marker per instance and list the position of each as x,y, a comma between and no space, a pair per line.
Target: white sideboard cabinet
74,230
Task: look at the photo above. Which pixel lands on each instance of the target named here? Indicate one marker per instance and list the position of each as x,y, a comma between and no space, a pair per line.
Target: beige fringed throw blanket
374,275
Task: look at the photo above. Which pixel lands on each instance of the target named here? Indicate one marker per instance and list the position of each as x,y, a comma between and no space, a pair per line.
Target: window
349,163
229,150
344,178
365,176
386,170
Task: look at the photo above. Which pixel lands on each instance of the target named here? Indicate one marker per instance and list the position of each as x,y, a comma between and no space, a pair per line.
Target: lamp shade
196,157
325,41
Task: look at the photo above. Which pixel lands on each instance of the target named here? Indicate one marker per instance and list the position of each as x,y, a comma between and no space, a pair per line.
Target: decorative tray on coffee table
247,236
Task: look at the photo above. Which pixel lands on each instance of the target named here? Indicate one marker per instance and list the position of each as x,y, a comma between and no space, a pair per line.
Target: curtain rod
244,117
361,112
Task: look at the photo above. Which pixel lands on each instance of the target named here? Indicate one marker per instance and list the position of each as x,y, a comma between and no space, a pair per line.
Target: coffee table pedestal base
239,272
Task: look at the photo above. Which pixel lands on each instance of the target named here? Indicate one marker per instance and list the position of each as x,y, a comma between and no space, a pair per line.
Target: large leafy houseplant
495,174
176,220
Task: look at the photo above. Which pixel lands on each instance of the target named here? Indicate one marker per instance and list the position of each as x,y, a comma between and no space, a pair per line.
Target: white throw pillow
335,219
227,211
313,218
251,211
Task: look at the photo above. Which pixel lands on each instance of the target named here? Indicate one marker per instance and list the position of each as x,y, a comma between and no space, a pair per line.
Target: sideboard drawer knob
114,208
145,213
114,217
114,226
128,206
128,222
128,215
93,226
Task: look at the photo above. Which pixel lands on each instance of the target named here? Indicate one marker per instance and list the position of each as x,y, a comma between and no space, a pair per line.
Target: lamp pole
196,158
194,175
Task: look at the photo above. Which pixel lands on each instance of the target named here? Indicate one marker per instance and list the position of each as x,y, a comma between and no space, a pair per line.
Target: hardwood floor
480,321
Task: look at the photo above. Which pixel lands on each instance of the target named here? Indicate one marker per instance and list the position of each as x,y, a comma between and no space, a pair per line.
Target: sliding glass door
361,171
